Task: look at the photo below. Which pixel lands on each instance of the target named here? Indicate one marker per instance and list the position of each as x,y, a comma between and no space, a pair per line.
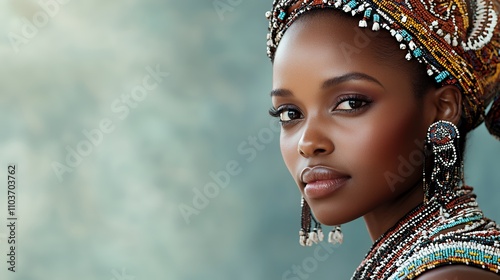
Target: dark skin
344,107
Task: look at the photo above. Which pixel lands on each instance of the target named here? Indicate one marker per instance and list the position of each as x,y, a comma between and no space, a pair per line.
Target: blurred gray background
109,155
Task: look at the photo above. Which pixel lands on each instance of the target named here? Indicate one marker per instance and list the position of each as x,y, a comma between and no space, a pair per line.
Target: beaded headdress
457,40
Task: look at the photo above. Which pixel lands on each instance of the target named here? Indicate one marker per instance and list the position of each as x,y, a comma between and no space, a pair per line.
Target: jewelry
447,170
416,243
308,237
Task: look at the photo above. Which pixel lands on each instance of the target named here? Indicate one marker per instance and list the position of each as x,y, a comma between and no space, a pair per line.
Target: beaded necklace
417,242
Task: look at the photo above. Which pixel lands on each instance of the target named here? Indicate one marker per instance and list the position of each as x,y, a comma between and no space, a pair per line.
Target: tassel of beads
335,236
316,235
376,22
443,137
305,223
313,237
308,237
367,15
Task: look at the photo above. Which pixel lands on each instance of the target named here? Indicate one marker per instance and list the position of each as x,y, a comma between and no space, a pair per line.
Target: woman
374,125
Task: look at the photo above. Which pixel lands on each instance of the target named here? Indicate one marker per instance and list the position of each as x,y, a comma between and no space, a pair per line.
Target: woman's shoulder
454,256
458,272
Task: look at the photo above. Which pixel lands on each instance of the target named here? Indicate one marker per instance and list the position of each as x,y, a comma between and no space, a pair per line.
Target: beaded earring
307,236
447,169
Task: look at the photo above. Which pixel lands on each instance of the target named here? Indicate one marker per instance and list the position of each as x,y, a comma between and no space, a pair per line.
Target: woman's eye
351,104
289,115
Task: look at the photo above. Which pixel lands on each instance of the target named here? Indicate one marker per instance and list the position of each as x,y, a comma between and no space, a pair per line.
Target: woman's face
352,124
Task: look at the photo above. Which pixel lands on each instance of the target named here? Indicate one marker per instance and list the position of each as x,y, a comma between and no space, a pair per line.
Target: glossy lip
322,181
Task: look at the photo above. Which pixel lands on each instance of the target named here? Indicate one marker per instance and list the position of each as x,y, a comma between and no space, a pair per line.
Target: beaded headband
457,48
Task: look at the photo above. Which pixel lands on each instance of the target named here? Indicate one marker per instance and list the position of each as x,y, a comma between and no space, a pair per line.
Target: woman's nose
314,142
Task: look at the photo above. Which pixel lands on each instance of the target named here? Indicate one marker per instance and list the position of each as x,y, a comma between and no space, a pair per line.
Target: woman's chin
330,219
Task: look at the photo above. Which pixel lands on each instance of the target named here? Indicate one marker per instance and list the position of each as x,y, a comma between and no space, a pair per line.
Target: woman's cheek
392,145
288,147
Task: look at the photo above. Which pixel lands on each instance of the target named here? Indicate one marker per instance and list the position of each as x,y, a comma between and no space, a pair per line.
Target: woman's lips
324,188
322,181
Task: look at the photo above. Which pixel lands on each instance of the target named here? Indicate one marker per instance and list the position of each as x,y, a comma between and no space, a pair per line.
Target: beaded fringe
308,237
447,170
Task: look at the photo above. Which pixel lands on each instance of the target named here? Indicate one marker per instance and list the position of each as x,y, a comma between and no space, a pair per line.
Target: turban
457,40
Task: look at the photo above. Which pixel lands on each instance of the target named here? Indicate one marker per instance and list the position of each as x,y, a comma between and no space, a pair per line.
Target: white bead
309,242
447,38
412,45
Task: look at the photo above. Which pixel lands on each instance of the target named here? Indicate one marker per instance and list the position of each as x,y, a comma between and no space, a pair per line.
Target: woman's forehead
325,45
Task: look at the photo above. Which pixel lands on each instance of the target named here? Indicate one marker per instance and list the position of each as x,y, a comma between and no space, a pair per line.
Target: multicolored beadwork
457,48
442,133
443,137
423,240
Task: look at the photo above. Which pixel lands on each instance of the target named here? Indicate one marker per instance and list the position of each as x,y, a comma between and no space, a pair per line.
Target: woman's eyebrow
350,77
353,76
281,92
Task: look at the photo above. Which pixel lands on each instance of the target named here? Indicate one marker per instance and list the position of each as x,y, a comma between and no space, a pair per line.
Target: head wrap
457,40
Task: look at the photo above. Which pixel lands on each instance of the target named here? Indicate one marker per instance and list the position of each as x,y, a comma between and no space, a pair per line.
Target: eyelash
353,97
276,112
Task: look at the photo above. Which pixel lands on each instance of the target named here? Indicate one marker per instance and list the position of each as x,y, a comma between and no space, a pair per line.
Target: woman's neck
387,215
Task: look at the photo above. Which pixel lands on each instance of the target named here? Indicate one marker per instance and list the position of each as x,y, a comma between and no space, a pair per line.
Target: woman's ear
448,104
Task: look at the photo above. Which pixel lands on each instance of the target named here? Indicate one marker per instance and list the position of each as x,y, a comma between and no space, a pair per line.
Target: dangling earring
336,236
307,236
447,169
